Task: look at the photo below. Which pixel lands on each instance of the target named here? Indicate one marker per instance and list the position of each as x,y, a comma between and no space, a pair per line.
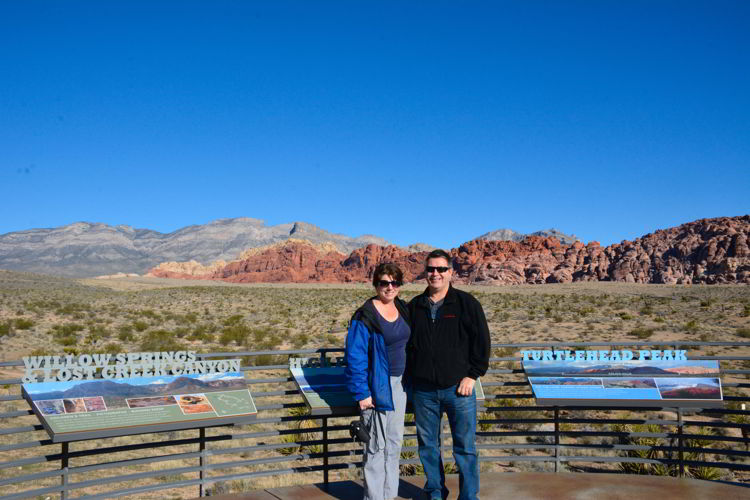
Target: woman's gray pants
382,453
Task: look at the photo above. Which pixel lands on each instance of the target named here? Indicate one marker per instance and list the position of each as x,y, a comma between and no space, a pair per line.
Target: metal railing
513,433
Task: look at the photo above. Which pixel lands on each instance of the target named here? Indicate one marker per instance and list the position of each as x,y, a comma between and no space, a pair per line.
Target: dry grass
43,315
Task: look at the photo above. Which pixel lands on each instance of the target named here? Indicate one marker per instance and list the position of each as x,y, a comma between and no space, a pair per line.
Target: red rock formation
704,251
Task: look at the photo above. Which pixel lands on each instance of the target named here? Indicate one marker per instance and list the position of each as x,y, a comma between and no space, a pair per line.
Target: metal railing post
557,439
680,444
325,453
202,461
64,470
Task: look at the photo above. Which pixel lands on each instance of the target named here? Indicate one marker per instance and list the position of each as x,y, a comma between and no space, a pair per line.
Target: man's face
436,280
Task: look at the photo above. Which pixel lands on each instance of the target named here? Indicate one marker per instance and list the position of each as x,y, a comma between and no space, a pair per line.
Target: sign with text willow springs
103,395
655,378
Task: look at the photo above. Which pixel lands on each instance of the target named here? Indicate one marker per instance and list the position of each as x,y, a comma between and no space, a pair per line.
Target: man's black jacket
454,346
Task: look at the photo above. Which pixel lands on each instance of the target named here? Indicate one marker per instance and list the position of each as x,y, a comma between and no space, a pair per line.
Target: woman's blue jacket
367,368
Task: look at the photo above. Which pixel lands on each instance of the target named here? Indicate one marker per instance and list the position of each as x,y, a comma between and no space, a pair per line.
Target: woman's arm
357,345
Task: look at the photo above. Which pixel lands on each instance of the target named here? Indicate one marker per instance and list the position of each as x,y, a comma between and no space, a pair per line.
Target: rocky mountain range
510,235
705,251
87,249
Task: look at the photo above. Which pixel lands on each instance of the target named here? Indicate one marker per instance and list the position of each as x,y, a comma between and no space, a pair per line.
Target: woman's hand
366,403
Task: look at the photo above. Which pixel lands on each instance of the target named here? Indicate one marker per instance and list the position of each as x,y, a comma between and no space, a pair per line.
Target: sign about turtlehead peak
103,395
623,378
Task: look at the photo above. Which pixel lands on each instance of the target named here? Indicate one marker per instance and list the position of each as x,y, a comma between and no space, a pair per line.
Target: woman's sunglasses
385,283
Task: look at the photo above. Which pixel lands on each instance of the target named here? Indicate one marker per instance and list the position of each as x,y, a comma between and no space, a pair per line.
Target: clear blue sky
425,121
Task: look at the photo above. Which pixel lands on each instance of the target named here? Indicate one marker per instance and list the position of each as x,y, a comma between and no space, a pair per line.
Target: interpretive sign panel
646,380
323,386
72,410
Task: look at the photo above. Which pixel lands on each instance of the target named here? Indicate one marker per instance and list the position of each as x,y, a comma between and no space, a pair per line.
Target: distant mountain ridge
704,251
88,249
85,249
510,235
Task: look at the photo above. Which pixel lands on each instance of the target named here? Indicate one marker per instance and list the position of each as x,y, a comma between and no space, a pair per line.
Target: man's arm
479,347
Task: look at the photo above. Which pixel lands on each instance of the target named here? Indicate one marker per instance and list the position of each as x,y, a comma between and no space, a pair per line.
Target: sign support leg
557,439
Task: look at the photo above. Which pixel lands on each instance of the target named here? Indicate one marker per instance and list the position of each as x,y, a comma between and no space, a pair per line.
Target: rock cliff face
705,251
510,235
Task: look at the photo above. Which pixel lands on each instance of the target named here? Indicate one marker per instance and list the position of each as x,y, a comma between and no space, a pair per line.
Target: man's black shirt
454,346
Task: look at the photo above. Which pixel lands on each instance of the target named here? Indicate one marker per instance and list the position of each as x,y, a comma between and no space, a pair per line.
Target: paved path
528,485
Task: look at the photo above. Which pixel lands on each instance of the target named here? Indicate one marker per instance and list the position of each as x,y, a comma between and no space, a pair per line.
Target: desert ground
47,315
44,315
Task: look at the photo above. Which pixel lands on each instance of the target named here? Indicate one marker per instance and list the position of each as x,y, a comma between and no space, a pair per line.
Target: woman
375,362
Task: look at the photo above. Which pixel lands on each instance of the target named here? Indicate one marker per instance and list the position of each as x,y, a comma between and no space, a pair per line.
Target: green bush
23,323
4,328
691,326
641,332
237,333
160,340
125,333
235,319
269,359
140,326
743,332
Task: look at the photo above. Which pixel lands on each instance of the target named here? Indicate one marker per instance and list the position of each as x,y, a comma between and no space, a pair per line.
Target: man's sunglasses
385,283
432,269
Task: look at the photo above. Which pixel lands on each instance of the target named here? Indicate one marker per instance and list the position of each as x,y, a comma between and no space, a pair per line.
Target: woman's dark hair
388,268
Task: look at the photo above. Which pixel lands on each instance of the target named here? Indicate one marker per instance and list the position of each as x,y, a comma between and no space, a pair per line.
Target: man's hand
465,386
366,403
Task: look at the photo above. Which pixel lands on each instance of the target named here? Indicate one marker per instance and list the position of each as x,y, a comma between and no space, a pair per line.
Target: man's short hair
439,254
388,268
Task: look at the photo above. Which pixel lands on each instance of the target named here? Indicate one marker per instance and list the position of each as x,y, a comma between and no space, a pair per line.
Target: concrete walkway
527,485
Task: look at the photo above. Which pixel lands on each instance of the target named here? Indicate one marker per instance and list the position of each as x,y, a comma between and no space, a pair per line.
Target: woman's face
386,293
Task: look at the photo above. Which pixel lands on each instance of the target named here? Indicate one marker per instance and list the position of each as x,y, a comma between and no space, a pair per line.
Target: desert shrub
269,359
23,323
743,332
140,326
4,328
148,313
745,311
625,316
72,309
202,333
649,453
160,340
691,326
237,333
125,333
97,332
641,332
234,319
300,340
111,348
67,328
181,331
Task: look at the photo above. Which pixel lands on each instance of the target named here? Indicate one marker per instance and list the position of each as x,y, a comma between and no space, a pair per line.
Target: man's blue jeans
429,405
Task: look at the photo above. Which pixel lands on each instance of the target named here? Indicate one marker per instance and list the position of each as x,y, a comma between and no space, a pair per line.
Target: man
448,350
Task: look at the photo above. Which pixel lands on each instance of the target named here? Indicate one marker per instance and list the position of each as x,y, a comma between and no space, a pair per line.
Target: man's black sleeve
479,348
